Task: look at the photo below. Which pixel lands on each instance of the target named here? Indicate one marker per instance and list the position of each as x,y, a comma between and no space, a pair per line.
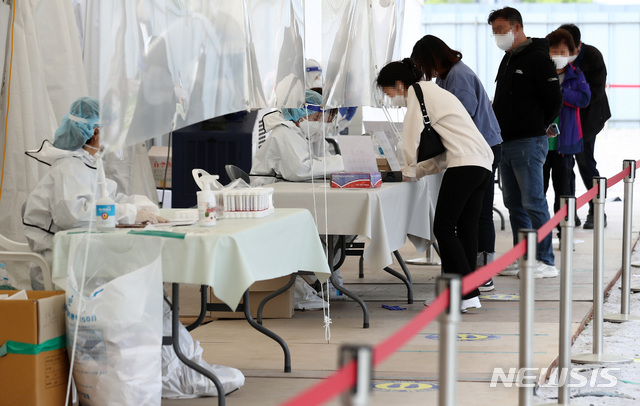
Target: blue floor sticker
467,337
500,296
404,386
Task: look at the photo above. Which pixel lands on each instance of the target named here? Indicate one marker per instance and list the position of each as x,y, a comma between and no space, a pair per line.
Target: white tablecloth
385,216
229,257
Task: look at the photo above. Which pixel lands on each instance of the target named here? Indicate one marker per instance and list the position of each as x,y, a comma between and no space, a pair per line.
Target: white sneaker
544,271
511,270
468,303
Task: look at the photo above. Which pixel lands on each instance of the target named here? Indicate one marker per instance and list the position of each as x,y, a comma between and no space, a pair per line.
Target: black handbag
430,142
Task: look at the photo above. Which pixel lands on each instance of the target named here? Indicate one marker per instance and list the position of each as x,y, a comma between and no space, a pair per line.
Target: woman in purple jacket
568,142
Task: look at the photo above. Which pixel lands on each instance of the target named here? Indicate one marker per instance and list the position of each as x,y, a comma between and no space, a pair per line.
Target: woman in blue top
436,59
575,95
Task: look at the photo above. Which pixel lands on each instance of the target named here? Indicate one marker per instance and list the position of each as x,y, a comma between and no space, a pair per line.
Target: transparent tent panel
167,65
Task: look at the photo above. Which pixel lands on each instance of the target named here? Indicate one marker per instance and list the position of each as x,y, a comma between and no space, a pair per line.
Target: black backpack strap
425,116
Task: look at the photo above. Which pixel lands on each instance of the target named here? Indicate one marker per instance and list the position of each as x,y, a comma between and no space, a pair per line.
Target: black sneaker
487,287
588,224
578,222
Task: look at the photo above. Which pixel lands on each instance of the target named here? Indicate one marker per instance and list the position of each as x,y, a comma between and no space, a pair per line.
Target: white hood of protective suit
48,154
273,119
286,153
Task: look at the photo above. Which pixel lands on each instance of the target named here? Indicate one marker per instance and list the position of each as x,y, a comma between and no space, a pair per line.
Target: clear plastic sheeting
168,64
359,37
280,55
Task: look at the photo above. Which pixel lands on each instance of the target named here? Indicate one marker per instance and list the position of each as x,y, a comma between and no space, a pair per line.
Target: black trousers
486,228
455,224
587,166
558,167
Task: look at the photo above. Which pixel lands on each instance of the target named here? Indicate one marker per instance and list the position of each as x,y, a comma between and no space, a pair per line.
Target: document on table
357,153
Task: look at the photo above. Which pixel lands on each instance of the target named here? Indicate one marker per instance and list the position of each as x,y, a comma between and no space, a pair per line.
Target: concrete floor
409,376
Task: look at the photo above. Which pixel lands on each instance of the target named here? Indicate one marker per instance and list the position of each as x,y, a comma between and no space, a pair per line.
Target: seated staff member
287,152
467,159
64,197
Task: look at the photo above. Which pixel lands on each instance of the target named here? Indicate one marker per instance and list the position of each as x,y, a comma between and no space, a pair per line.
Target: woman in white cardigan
468,159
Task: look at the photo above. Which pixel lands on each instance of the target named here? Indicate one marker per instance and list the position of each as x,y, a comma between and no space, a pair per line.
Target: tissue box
36,368
158,160
356,180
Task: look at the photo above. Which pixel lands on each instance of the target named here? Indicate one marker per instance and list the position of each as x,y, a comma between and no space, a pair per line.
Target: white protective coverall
286,153
64,199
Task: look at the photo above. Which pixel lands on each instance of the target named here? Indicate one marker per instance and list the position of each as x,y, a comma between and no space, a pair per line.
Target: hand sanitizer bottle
206,206
105,210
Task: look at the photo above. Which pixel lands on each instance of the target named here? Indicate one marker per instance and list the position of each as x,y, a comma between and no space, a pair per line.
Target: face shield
319,123
313,74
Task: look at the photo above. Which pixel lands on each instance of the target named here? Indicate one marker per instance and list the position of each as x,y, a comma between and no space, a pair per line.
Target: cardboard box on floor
280,307
31,374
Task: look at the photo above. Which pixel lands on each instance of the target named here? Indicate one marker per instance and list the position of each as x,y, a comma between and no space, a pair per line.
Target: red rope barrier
623,86
345,377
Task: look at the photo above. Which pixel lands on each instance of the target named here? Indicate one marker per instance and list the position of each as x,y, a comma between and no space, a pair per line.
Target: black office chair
334,143
236,173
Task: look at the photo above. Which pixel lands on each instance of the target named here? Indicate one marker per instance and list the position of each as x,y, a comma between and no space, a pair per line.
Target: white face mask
572,58
398,101
505,41
560,61
313,130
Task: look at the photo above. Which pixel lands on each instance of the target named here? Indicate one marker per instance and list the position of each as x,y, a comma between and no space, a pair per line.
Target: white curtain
359,38
43,74
129,167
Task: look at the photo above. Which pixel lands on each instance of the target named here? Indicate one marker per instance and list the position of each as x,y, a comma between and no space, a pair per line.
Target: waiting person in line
467,159
526,102
65,197
589,60
436,59
287,152
575,95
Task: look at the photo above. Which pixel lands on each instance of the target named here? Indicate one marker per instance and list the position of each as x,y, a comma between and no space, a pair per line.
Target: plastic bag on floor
117,357
181,382
305,297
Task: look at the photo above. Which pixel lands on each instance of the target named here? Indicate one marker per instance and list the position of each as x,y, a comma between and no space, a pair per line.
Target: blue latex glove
393,307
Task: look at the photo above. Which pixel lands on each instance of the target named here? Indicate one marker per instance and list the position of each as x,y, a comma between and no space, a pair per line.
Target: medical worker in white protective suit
286,152
64,198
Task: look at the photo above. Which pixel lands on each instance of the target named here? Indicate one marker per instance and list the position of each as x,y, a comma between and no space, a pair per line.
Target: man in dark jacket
527,100
593,117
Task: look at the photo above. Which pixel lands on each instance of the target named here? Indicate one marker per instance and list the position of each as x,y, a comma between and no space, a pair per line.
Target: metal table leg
403,265
203,308
403,279
272,295
267,332
406,280
342,289
175,340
